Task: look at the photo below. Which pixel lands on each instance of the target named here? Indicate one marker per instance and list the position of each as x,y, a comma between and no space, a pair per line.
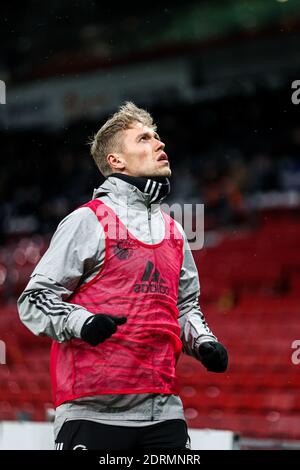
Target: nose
160,145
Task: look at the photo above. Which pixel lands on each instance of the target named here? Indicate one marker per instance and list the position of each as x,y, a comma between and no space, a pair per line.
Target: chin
165,172
162,172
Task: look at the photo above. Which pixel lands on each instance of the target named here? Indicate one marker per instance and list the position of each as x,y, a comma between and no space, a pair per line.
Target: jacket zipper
149,221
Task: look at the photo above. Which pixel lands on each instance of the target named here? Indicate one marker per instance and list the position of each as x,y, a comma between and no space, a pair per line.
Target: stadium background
217,77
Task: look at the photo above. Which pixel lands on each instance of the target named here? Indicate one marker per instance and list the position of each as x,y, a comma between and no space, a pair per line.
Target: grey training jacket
74,257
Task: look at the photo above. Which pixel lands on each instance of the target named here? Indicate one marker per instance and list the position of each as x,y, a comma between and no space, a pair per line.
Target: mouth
163,157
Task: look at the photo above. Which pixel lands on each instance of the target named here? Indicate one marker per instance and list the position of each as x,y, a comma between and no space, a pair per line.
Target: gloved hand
99,327
213,356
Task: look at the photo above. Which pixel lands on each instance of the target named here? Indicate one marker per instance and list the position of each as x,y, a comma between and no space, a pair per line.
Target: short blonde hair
106,139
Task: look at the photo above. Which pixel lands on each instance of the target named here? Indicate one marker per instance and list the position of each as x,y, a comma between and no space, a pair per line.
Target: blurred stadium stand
233,137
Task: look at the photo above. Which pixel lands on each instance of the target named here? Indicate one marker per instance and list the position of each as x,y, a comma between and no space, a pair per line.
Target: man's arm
194,328
198,340
76,253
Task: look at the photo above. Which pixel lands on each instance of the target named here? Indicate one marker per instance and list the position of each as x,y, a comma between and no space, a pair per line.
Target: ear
115,161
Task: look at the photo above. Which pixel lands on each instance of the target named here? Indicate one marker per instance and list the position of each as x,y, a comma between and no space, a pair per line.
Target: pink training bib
139,281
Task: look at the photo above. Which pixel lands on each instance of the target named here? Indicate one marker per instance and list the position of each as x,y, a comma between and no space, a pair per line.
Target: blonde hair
107,140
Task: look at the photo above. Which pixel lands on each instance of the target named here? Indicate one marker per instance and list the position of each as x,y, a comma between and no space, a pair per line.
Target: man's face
142,153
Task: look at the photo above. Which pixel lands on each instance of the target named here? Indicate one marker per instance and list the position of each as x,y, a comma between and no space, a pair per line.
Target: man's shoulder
177,224
82,215
179,227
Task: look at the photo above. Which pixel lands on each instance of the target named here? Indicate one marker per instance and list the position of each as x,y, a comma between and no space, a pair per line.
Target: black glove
213,356
99,327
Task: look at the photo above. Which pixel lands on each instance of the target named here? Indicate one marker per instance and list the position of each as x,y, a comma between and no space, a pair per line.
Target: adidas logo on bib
152,282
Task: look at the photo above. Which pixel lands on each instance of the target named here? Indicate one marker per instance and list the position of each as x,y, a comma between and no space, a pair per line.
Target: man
118,291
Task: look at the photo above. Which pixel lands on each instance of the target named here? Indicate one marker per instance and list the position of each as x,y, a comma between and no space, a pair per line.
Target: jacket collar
131,190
